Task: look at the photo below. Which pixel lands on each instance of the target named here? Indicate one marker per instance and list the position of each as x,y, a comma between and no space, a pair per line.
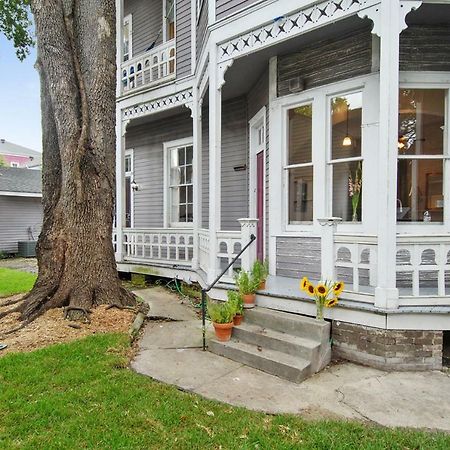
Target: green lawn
15,281
79,395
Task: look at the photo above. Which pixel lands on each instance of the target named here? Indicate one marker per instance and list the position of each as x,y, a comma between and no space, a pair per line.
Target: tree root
77,313
10,311
122,307
11,302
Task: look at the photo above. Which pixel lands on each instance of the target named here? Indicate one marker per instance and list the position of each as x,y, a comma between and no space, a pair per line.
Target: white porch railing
356,262
229,245
149,68
203,243
423,267
159,245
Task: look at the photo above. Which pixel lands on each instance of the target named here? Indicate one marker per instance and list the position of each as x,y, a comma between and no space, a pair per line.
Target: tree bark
76,63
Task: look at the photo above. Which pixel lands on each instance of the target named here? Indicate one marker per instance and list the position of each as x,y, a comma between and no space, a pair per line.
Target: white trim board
20,194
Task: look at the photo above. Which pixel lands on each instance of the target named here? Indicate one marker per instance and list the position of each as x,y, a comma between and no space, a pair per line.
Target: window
14,164
346,157
127,46
299,166
169,20
180,193
421,154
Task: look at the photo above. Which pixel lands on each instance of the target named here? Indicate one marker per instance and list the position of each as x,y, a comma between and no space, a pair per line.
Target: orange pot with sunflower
324,293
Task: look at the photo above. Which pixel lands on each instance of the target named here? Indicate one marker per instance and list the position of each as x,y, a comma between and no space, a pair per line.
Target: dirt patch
52,328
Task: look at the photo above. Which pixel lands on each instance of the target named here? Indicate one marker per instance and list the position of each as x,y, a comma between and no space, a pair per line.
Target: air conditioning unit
27,249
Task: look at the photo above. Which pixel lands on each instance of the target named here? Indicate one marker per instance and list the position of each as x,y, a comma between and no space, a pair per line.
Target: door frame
254,124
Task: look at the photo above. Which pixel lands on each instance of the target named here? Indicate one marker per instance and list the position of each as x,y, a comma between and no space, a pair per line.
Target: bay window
421,155
346,156
180,188
299,164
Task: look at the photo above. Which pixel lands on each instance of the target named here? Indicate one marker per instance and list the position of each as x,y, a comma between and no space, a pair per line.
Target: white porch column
120,182
248,227
197,172
215,155
329,226
386,292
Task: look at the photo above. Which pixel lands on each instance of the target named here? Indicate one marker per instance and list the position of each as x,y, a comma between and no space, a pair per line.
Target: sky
20,115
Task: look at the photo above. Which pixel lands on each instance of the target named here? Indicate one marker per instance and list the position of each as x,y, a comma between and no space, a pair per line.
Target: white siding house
241,117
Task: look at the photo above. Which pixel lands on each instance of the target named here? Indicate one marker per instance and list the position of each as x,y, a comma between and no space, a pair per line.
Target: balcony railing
149,68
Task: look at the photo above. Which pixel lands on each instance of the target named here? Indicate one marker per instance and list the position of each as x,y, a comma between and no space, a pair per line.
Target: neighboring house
20,207
13,155
264,110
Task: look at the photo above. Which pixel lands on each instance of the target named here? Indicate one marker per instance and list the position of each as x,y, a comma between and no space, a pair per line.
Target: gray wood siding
147,141
234,153
327,61
234,185
202,24
147,21
225,8
298,257
16,215
183,37
425,48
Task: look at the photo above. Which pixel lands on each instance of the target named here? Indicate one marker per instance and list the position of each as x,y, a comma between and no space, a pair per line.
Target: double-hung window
180,187
346,157
299,165
127,45
422,154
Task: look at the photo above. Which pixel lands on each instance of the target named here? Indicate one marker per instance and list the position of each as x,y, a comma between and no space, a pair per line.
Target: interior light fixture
347,142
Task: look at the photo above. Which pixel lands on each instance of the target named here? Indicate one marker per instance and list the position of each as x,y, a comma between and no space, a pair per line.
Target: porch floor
169,352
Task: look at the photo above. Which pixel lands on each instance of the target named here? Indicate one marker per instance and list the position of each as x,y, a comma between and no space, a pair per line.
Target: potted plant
325,294
235,298
247,286
221,315
260,271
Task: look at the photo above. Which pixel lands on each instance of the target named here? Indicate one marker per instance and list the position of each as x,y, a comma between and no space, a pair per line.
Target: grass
15,281
81,395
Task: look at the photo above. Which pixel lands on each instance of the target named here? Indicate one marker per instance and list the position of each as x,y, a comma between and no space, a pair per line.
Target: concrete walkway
169,353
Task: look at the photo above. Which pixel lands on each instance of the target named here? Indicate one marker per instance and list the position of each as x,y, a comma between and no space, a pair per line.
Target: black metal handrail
208,288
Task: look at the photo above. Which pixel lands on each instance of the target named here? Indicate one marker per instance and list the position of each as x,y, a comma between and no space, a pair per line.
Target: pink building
12,155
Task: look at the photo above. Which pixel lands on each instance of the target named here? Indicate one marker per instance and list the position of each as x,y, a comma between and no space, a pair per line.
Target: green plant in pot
221,315
247,286
235,298
260,271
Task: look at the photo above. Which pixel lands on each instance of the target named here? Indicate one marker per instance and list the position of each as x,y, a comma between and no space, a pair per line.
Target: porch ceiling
246,71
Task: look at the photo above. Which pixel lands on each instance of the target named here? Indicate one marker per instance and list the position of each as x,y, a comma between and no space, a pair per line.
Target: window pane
183,194
175,202
421,121
175,176
190,194
182,213
346,120
300,195
347,190
181,158
189,155
189,174
127,163
420,190
190,214
300,135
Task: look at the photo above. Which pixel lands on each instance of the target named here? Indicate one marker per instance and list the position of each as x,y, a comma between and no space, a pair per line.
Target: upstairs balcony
153,67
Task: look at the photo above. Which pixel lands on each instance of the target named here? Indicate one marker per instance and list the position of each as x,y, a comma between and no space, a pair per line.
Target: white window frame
130,173
167,147
431,80
164,22
128,18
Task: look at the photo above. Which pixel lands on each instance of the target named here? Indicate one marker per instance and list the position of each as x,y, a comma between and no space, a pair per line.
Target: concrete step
294,324
275,340
285,366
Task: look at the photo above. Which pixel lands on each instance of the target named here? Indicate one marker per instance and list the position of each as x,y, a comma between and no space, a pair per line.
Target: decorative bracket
190,105
374,14
125,124
222,69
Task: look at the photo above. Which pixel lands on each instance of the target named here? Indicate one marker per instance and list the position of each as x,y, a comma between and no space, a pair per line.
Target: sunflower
304,284
321,290
310,290
332,302
338,288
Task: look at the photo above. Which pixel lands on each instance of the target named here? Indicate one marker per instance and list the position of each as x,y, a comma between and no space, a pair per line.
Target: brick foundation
387,349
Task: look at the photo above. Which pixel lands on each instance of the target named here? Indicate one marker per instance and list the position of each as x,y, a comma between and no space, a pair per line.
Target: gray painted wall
298,257
16,215
147,21
225,8
183,37
147,141
327,61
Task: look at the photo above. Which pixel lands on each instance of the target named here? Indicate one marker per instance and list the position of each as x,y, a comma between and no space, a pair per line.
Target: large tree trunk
76,62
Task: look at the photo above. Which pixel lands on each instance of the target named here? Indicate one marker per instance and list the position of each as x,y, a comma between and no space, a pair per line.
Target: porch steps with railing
287,345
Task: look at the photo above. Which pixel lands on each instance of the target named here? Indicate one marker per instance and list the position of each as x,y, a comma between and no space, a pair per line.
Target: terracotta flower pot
249,300
262,285
237,319
223,331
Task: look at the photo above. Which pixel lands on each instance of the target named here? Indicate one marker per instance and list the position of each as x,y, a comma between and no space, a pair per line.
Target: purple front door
260,205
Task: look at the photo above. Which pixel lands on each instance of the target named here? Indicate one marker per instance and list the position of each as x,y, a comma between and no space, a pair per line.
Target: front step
271,361
286,345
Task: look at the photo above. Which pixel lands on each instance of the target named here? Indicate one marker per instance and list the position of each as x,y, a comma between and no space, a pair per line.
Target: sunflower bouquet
325,294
